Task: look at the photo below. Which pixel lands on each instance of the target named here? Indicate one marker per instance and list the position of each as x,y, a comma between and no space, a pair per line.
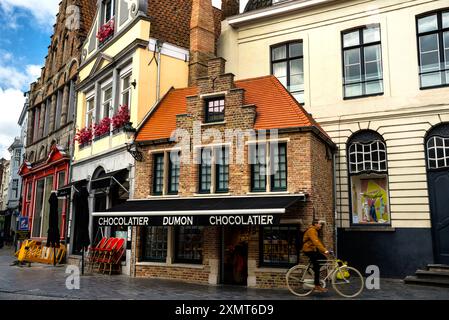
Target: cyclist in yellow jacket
315,250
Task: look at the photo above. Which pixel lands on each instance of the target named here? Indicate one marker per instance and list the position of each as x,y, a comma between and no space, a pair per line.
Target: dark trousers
314,257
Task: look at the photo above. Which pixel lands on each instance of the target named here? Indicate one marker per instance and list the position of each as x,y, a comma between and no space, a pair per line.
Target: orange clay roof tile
276,109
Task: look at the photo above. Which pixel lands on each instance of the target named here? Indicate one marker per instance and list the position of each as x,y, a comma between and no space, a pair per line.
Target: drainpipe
158,48
334,183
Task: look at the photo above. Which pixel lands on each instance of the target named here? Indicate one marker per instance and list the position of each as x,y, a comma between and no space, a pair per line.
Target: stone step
432,274
438,267
443,282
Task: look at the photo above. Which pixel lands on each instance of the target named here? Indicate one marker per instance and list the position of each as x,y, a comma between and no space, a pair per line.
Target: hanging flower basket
106,31
84,136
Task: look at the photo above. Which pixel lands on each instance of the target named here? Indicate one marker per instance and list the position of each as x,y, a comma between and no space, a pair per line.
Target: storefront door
439,206
437,146
235,255
100,206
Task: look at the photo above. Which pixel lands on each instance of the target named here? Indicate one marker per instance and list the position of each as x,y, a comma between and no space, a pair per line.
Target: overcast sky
25,31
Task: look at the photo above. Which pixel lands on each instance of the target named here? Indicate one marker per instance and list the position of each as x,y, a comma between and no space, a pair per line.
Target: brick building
51,108
218,213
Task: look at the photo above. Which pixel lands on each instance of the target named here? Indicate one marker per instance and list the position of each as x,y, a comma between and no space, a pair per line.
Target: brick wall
61,67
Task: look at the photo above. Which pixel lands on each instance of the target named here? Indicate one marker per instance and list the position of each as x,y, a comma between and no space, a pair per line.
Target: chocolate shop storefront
217,220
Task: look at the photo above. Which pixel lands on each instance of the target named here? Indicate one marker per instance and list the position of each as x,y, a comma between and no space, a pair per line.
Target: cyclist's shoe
319,289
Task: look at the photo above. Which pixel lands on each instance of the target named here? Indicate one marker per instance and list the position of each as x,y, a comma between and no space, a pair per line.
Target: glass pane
46,212
445,16
295,50
429,43
351,39
279,53
431,79
371,34
446,49
353,90
352,56
352,65
39,203
429,23
430,61
430,56
296,75
299,96
108,94
125,98
126,82
280,69
374,87
353,74
372,70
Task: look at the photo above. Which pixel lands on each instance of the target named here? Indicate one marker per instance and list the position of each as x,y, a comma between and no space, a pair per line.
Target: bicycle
346,281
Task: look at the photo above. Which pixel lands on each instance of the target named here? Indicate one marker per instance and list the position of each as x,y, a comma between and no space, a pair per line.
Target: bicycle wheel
300,280
348,282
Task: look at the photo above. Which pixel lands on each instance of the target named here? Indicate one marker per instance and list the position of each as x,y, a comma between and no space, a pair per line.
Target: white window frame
433,162
90,97
105,87
124,74
112,13
270,153
367,164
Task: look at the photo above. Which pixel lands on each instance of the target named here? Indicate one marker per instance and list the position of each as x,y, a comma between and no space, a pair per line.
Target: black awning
66,190
109,179
202,210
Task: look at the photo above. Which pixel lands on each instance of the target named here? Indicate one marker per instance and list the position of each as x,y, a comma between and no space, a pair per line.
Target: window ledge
206,124
371,229
268,193
172,265
211,195
164,196
151,263
272,269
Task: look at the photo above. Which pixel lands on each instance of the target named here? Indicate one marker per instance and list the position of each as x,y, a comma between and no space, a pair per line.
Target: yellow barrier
35,251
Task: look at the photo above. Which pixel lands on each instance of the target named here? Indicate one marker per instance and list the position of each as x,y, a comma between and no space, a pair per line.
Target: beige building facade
375,75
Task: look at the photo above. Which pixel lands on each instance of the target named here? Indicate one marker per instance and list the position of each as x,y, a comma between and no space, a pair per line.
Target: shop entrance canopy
66,190
116,177
250,210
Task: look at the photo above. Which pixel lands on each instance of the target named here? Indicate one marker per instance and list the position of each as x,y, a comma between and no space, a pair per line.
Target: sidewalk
48,282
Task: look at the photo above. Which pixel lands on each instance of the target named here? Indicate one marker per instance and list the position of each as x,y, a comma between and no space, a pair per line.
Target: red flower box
84,136
105,31
102,128
121,117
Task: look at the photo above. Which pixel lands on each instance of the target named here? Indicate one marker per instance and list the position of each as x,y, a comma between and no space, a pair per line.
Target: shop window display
368,175
280,245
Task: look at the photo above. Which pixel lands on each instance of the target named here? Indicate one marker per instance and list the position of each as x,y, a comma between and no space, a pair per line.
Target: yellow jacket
311,242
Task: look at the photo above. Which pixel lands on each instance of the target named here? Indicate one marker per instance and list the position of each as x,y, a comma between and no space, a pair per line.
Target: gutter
273,11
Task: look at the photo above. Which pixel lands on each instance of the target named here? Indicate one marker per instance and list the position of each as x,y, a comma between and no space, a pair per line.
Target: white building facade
375,75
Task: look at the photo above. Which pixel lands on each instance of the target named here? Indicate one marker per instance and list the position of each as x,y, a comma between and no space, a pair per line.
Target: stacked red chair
107,253
93,252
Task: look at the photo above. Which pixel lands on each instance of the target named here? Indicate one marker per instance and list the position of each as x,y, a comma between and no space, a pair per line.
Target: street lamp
133,148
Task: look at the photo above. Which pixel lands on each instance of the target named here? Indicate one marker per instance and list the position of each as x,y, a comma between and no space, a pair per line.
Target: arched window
368,178
437,148
42,153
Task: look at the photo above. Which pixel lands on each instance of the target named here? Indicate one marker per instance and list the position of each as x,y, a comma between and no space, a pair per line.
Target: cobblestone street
47,282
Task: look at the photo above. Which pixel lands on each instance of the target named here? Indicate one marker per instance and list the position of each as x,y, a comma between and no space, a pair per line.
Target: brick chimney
202,39
230,8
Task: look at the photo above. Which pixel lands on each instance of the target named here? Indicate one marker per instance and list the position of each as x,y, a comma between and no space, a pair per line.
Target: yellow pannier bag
342,274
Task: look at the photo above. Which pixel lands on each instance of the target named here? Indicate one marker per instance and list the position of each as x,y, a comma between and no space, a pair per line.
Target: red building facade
39,180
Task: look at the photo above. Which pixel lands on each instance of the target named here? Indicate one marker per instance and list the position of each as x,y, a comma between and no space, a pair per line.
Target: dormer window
109,10
215,110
